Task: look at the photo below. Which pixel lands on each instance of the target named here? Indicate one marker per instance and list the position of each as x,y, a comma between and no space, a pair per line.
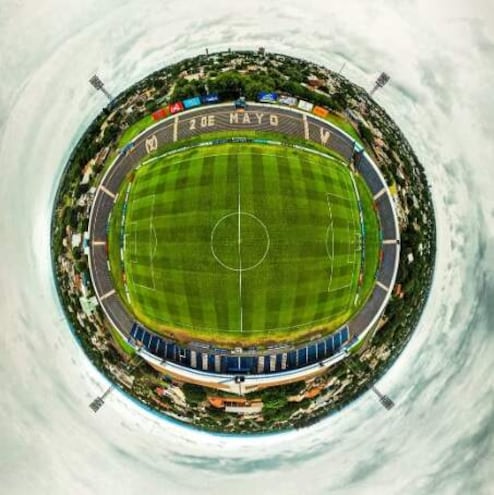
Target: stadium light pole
98,402
97,83
381,81
384,400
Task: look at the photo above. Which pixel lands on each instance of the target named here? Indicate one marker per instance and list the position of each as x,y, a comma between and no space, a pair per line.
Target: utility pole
239,379
97,83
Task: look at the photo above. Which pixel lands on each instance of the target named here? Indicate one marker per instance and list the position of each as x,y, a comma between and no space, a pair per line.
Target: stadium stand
200,356
221,361
119,315
335,140
387,267
372,308
370,175
386,217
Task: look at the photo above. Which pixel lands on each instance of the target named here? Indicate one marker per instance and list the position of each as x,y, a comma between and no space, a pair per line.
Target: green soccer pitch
243,243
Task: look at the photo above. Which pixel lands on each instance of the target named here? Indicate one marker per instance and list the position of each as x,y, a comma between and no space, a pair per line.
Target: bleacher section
336,141
368,312
221,361
387,268
102,277
386,216
370,175
119,314
102,206
229,119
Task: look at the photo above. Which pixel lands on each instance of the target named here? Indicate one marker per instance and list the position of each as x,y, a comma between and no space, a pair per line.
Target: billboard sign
192,102
305,105
288,100
210,98
265,97
320,112
175,107
160,114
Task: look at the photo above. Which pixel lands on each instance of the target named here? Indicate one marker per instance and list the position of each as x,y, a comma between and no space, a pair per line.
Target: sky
439,438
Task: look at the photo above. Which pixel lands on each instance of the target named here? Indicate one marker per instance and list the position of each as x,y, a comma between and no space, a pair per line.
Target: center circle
239,241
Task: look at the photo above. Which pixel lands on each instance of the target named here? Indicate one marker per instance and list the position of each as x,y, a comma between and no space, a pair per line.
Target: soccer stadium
222,251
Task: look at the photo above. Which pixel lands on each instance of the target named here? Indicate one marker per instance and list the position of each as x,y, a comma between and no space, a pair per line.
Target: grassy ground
242,243
122,343
135,129
372,238
344,125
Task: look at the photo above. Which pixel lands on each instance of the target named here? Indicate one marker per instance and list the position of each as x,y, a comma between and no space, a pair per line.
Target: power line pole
97,83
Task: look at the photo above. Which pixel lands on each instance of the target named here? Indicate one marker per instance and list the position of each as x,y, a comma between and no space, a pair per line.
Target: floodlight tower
97,83
381,81
384,400
99,401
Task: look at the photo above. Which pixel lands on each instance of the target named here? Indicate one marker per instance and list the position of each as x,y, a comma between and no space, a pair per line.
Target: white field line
360,217
330,212
152,250
194,158
240,251
354,251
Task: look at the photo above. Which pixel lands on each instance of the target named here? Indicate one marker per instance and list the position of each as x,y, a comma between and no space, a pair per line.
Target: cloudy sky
440,437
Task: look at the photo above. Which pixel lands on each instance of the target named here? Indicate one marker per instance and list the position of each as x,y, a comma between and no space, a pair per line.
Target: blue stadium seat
170,351
223,364
312,353
345,334
138,332
160,351
337,341
292,360
279,358
211,362
153,341
302,357
266,364
321,350
146,338
329,346
199,360
232,364
248,364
